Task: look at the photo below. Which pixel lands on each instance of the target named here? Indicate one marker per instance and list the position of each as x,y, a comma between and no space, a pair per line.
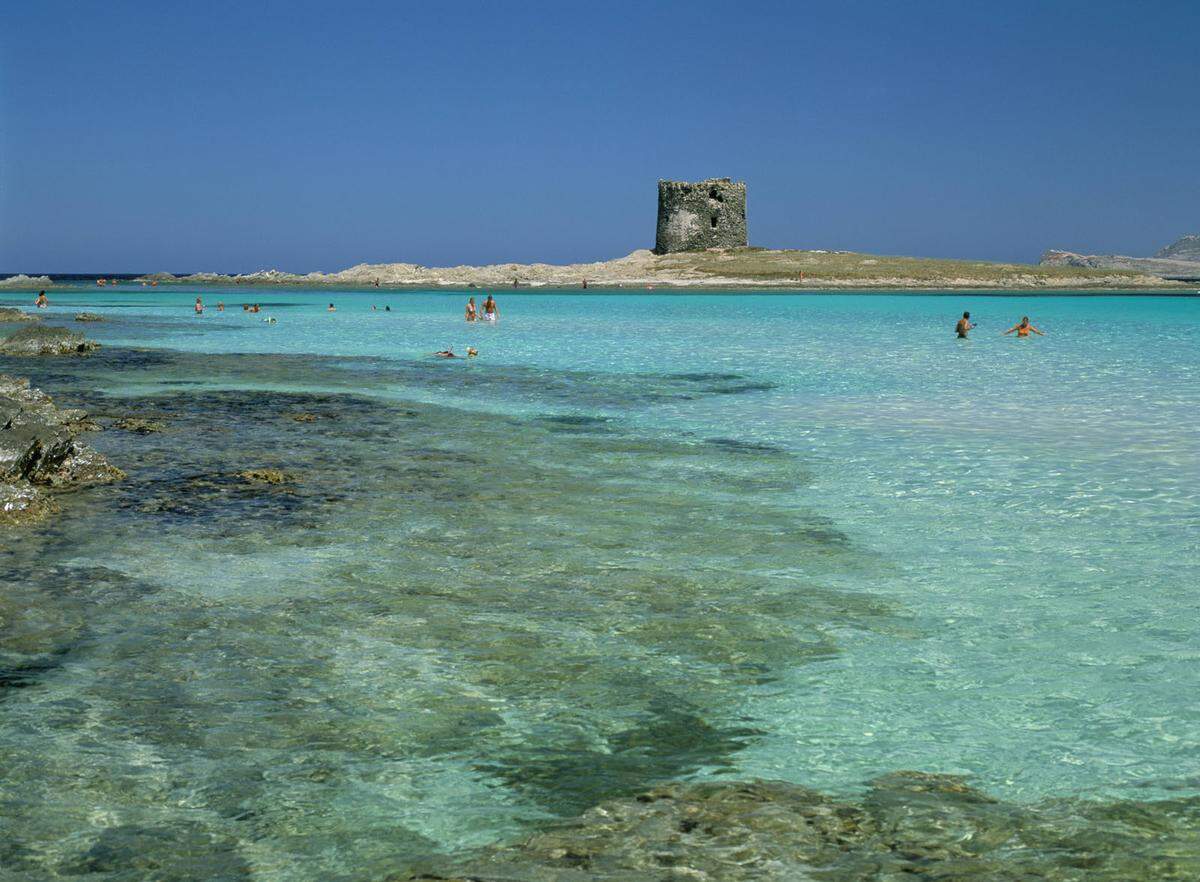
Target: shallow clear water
641,537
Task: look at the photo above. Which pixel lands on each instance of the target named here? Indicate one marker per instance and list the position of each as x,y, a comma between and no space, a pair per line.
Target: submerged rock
38,449
139,426
88,317
42,340
908,824
265,476
12,314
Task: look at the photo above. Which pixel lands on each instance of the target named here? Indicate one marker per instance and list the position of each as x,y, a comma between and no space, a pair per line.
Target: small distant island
741,267
701,243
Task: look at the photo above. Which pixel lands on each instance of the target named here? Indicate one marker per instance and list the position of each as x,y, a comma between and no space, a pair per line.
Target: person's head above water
966,315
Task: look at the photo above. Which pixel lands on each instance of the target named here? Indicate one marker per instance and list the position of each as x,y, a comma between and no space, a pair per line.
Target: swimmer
387,309
445,353
41,301
256,308
270,320
490,311
964,325
1023,328
470,311
220,306
331,308
472,352
199,307
245,307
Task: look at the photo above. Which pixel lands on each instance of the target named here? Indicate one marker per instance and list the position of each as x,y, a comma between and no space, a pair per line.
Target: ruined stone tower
705,214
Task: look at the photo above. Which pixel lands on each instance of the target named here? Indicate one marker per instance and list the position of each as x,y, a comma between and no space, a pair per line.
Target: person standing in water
964,325
490,311
41,301
1023,328
470,310
199,307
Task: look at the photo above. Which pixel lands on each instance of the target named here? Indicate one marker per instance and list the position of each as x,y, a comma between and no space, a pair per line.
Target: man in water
964,325
490,310
41,301
1023,328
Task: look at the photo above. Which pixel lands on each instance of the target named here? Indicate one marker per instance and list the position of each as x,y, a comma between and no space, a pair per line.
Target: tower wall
693,216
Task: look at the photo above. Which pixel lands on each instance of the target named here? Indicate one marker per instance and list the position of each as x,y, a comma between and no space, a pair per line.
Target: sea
643,537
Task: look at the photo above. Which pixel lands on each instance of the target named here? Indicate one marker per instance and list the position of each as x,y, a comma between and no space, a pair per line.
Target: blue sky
227,136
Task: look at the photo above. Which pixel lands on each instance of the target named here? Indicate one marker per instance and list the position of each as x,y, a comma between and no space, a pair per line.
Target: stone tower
705,214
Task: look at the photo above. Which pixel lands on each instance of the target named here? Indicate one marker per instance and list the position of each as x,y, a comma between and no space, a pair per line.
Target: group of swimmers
1023,328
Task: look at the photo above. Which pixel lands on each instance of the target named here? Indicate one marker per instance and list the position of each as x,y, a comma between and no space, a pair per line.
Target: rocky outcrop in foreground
39,453
907,825
42,340
9,314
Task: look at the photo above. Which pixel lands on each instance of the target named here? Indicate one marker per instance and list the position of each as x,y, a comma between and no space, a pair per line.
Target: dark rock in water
42,340
266,476
10,314
38,448
139,425
21,503
88,317
908,825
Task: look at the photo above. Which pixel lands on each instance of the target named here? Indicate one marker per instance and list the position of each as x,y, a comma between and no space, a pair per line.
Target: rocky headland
40,453
713,268
1179,259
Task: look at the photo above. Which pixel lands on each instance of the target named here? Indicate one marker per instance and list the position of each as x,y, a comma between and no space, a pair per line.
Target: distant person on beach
490,311
964,325
470,312
41,301
1023,328
199,306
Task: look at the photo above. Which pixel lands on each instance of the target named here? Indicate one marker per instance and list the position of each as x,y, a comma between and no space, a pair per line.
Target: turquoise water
641,537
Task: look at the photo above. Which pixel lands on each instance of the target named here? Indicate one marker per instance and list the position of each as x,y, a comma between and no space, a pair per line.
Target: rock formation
1181,258
39,450
9,314
41,340
705,214
1184,248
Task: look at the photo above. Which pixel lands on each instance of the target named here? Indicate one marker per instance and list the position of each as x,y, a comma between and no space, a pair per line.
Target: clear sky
234,136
